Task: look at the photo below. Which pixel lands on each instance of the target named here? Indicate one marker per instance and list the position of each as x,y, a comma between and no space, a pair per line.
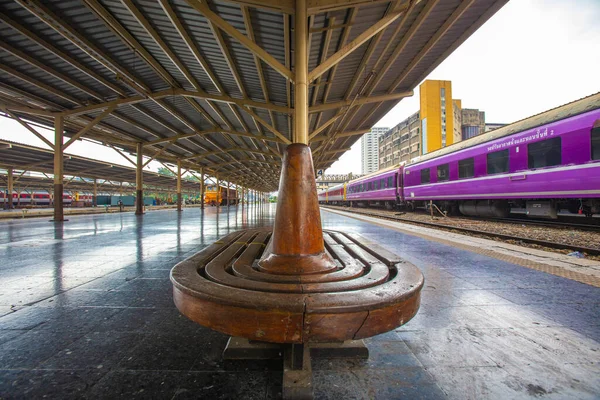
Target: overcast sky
531,56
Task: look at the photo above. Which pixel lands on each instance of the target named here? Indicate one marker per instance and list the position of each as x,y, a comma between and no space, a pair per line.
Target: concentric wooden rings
222,287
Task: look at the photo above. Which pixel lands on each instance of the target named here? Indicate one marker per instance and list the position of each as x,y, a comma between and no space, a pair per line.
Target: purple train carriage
538,166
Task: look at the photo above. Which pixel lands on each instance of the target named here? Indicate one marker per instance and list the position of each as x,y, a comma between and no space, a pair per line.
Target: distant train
25,199
538,166
212,196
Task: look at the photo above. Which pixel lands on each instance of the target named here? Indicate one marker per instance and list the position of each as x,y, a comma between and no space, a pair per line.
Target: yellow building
437,115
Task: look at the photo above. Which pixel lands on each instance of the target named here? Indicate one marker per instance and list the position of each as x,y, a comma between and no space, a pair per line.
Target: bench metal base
297,370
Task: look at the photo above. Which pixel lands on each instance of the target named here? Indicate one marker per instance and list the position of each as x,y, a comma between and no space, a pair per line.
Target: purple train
538,166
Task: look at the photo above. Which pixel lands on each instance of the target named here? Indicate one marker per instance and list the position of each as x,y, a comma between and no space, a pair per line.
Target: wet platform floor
87,313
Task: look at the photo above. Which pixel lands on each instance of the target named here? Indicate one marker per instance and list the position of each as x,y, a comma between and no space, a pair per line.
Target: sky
531,56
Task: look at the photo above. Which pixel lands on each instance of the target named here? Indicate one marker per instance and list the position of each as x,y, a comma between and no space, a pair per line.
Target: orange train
212,196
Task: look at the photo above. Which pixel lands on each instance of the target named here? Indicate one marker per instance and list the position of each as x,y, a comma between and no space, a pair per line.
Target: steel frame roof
29,158
210,83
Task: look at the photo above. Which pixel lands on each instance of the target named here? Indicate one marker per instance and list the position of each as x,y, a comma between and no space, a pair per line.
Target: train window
596,143
382,183
391,181
443,172
466,168
425,176
497,162
544,154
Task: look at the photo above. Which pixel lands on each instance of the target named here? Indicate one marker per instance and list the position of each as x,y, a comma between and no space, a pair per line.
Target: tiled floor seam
550,269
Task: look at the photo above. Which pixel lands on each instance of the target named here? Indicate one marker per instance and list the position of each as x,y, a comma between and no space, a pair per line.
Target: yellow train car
212,196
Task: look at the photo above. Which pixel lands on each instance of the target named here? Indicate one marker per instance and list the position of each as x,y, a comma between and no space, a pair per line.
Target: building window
425,176
443,92
497,162
443,172
596,143
546,153
466,168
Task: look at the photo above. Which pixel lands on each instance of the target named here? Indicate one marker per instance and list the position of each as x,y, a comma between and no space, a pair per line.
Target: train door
400,185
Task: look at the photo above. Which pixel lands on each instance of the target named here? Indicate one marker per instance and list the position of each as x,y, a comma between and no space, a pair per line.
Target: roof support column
202,188
179,199
301,77
139,181
95,197
297,242
58,169
228,189
218,196
9,192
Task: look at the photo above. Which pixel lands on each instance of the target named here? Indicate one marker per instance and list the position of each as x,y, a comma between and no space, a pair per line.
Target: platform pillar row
139,181
58,168
179,199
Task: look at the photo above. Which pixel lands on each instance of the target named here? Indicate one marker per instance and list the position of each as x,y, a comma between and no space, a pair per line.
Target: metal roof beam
240,37
353,45
89,126
30,129
178,92
69,33
268,126
360,101
40,65
56,52
38,84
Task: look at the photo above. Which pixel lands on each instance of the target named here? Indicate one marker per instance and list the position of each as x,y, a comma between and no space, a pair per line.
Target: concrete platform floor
87,313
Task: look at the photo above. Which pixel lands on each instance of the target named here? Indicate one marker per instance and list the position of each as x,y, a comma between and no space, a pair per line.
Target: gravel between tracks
560,235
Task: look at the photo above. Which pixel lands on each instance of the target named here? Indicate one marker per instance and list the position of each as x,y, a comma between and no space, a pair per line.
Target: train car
212,196
538,166
333,195
381,188
25,199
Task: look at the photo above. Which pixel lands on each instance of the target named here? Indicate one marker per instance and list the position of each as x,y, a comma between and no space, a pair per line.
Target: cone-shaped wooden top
297,244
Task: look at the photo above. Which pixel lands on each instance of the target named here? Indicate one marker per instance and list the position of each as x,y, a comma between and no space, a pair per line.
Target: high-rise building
437,115
370,150
440,122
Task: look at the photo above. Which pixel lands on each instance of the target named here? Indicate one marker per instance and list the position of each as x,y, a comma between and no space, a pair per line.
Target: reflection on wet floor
88,313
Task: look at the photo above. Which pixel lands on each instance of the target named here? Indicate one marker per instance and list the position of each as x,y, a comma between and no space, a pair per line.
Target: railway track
508,237
550,224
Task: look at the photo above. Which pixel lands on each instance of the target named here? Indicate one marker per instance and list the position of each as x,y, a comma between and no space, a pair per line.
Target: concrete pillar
202,188
95,196
10,188
58,169
139,181
179,198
